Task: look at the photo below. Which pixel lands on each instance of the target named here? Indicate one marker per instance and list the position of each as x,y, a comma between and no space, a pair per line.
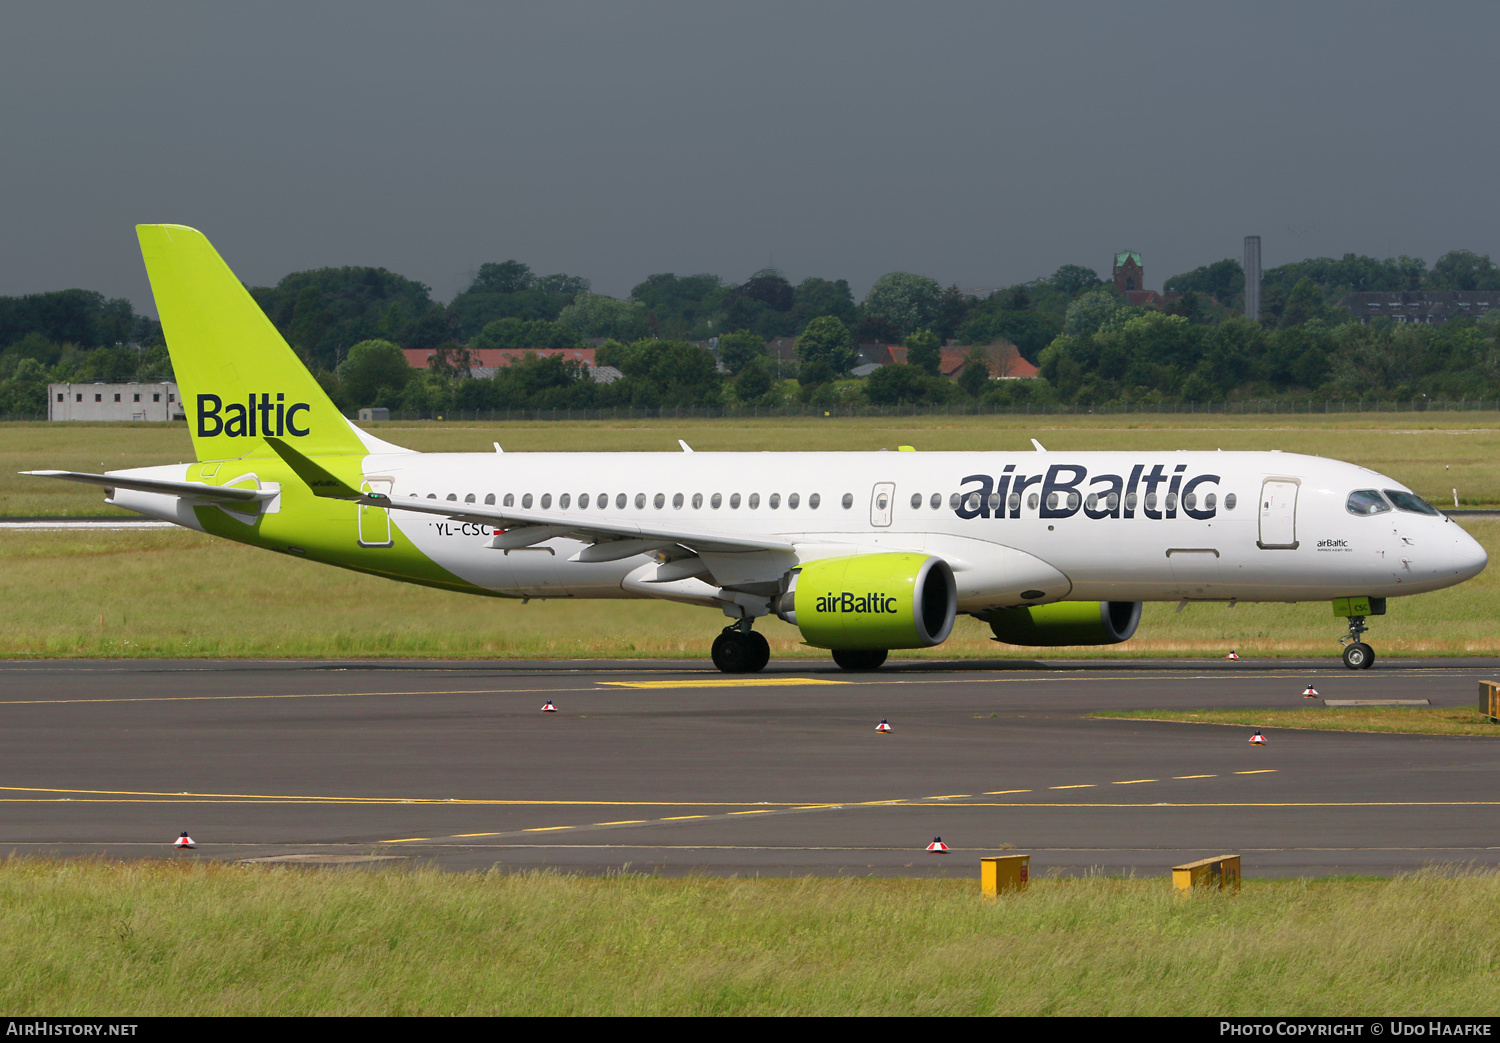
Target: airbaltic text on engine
237,421
1113,496
850,602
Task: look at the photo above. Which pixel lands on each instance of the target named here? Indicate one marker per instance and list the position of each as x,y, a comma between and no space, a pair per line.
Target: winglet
321,481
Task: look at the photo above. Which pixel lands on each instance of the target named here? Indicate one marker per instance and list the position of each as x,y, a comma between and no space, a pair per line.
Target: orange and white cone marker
937,847
1309,692
883,726
183,842
1257,739
1232,655
547,707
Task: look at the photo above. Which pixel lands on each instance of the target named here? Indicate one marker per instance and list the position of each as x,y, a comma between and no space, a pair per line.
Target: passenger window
620,501
1092,503
677,501
1032,501
510,500
563,501
469,498
659,501
953,501
973,503
1073,501
754,501
490,499
936,501
774,501
1114,501
453,496
1366,501
813,501
716,501
546,501
583,501
1189,501
697,501
734,502
916,500
1150,501
792,501
1131,499
640,501
432,496
1209,501
1052,501
1014,502
526,501
1171,501
848,500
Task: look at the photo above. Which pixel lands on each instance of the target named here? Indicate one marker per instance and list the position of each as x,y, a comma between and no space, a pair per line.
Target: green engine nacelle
872,601
1066,623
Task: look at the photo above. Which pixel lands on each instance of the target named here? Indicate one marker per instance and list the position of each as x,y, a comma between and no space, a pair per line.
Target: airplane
863,552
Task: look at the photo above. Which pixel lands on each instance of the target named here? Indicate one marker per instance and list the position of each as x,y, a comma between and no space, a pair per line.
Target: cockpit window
1411,502
1366,501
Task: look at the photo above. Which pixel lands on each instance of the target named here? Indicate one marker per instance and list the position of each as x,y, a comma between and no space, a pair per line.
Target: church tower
1129,275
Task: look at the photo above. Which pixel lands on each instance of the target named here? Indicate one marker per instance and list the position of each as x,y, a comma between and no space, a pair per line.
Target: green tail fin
239,380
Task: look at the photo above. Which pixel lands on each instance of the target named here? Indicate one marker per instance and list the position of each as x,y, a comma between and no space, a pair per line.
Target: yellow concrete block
1221,872
1004,873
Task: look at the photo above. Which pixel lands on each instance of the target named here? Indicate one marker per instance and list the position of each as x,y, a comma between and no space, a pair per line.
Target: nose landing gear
1357,654
740,650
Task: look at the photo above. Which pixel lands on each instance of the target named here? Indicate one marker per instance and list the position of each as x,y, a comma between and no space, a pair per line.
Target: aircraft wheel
1359,656
741,652
859,658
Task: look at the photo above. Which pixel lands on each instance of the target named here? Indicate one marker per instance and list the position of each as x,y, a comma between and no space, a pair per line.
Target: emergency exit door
1278,514
881,501
375,522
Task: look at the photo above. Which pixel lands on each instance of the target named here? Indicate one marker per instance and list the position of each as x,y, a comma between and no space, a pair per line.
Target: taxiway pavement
671,767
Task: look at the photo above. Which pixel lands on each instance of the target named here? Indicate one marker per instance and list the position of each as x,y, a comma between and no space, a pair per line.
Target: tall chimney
1252,277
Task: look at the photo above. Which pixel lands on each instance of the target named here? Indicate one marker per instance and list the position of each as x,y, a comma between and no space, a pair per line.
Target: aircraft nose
1467,558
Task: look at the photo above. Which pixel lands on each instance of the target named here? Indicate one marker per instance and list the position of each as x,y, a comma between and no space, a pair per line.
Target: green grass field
158,938
171,593
1433,453
179,593
1403,720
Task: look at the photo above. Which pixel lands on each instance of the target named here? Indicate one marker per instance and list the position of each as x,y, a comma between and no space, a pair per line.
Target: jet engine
872,601
1066,623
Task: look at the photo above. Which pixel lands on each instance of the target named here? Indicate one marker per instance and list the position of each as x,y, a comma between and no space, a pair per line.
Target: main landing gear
1357,654
740,650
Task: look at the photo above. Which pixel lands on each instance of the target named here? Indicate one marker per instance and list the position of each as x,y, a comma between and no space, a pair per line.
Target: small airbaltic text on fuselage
1107,495
239,421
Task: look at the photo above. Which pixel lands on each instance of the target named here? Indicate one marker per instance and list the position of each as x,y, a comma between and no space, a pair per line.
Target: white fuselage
1159,526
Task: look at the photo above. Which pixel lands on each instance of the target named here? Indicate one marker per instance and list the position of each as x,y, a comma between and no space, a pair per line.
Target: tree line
1091,345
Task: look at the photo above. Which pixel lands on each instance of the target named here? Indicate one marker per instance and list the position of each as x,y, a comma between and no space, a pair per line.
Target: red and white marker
937,847
547,707
1232,655
183,841
1257,739
883,726
1309,692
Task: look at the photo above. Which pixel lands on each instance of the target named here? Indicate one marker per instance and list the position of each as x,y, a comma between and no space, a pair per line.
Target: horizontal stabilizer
192,490
321,481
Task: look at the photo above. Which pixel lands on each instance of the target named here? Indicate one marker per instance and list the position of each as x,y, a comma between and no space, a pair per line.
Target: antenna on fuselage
497,447
1039,447
685,447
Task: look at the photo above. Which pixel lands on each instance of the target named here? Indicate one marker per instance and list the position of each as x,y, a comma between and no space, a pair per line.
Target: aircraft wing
191,490
527,527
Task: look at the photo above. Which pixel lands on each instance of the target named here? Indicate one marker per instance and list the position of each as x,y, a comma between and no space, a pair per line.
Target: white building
113,402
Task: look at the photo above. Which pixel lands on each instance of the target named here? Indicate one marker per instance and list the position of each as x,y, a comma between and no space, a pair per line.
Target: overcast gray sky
978,143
